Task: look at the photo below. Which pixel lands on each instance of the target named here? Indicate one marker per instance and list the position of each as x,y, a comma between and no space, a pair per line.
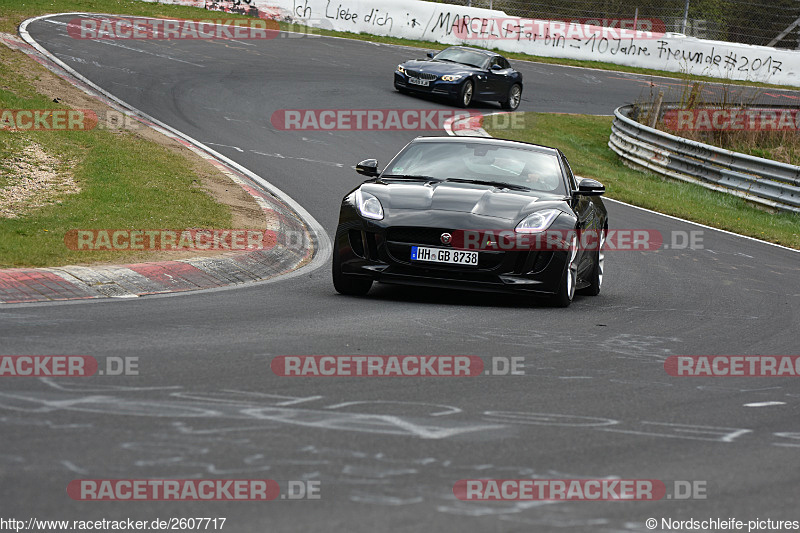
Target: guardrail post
656,109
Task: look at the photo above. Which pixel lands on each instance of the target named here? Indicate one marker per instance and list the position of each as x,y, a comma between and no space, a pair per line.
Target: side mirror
590,187
368,167
497,67
430,54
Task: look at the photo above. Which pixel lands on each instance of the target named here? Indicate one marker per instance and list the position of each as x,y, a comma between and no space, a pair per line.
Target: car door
485,80
499,76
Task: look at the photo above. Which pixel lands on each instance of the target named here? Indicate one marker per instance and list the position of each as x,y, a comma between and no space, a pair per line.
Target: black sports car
474,213
462,74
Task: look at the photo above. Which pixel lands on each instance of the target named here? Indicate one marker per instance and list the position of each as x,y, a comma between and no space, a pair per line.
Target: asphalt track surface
594,402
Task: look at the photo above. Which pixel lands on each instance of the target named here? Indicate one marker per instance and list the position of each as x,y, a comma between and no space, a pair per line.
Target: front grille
411,235
421,75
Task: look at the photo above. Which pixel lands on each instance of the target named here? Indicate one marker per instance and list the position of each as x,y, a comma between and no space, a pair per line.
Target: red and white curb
283,216
471,126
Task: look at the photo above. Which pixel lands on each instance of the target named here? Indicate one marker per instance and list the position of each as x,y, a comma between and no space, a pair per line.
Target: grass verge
584,140
119,180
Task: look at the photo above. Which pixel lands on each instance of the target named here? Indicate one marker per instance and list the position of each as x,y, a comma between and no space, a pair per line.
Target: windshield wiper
500,184
409,177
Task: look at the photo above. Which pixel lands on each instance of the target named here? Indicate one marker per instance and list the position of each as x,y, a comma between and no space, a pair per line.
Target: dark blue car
463,75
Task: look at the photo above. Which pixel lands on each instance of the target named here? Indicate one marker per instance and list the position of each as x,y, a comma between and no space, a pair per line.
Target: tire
466,94
566,287
596,277
349,285
514,98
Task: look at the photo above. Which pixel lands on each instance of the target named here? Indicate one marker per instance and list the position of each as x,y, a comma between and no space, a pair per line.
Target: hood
440,67
481,200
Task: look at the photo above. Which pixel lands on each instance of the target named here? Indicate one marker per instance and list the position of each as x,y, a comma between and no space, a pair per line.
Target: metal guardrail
767,182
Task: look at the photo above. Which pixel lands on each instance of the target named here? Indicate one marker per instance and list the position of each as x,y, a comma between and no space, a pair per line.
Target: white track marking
763,404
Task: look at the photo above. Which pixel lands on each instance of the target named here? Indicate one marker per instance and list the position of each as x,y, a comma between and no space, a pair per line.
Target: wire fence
760,22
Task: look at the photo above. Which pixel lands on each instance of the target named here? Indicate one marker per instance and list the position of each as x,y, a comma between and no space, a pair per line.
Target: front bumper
437,87
368,249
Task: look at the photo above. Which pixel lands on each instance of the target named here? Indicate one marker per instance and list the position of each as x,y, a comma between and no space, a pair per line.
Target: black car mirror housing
430,54
590,187
368,167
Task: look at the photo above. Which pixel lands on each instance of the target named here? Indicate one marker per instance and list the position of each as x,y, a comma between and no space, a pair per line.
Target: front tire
596,277
514,98
466,94
348,285
566,287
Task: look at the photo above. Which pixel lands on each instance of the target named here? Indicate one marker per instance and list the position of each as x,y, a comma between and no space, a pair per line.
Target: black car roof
490,141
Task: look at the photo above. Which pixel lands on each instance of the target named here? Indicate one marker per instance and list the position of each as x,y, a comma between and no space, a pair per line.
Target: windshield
480,162
465,57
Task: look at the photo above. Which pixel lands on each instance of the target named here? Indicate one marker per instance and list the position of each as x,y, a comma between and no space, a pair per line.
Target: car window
573,183
465,57
536,170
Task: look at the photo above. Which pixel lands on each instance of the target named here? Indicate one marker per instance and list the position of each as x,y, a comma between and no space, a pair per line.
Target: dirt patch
34,181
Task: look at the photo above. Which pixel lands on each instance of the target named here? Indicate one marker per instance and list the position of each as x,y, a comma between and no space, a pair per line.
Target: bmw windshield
465,57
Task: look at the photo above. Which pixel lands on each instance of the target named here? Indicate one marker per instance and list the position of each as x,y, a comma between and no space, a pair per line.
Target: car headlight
400,69
368,205
452,77
538,221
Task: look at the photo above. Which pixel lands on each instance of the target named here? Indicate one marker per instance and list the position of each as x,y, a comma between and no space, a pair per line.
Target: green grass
125,181
584,140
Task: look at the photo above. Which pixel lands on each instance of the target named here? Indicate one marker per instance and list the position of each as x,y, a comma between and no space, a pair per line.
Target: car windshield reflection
465,57
480,163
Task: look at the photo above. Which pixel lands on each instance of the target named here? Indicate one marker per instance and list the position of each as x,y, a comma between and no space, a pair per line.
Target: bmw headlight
368,205
400,69
538,221
452,77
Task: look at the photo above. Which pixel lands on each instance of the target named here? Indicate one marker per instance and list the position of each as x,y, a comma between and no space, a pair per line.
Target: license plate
442,255
417,81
